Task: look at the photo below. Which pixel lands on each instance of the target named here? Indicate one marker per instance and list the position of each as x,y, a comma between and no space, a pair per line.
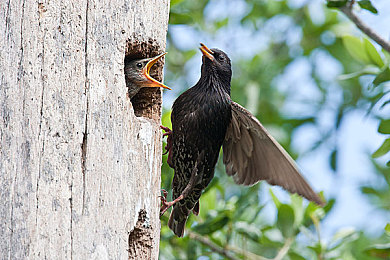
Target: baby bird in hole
137,74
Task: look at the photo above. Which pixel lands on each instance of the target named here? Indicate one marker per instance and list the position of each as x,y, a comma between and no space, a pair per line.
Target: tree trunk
80,163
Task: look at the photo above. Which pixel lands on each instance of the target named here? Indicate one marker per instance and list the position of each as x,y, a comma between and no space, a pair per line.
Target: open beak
206,52
146,70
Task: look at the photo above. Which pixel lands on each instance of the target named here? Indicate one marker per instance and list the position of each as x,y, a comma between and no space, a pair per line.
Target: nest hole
147,102
140,238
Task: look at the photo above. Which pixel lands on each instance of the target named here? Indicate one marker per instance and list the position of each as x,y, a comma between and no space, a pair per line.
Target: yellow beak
206,52
146,70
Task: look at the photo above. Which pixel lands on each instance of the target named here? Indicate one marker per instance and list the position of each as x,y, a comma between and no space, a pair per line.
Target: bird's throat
212,82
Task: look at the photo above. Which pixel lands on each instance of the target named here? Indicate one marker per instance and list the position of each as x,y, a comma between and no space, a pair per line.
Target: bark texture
80,172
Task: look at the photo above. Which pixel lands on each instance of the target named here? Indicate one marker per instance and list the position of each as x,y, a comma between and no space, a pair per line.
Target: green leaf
178,18
166,120
344,233
373,53
222,23
385,148
384,127
380,251
333,160
387,102
329,205
382,77
295,256
212,224
369,190
191,248
274,198
309,211
342,237
366,4
336,3
175,2
249,230
296,203
387,229
317,248
356,48
208,201
369,70
285,220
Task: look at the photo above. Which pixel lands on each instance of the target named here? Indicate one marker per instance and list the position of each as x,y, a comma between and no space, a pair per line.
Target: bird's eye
139,65
221,58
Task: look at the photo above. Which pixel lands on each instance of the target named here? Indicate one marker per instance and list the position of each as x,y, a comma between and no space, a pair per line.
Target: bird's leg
168,132
166,129
164,196
194,179
167,204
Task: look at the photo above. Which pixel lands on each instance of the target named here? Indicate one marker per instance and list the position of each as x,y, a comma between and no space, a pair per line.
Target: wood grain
77,165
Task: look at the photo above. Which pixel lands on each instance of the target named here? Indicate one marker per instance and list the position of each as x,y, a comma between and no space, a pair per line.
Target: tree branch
247,254
347,10
284,250
214,247
223,252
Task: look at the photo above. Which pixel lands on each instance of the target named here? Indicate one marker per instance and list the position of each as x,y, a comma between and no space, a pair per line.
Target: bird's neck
212,82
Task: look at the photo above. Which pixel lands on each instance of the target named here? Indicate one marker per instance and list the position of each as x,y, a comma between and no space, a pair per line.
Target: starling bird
204,118
137,74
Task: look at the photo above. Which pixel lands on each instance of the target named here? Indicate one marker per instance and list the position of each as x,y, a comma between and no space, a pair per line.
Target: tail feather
177,220
195,210
190,202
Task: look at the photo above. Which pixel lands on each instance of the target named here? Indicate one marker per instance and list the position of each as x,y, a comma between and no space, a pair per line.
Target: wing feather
251,154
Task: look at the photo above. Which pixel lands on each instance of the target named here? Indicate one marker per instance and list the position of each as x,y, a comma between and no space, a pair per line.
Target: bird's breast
204,115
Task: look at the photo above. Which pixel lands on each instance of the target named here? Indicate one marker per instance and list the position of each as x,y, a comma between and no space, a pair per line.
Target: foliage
364,51
237,219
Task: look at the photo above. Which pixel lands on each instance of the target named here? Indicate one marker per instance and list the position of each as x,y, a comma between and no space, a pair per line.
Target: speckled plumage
204,119
200,117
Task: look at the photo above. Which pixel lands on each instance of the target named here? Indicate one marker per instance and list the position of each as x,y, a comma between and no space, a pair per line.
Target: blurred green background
322,89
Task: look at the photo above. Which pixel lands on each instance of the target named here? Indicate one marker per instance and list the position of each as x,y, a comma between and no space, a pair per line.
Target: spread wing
251,154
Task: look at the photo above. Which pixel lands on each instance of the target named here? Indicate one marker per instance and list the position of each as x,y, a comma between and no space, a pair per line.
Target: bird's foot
168,132
167,204
168,147
163,198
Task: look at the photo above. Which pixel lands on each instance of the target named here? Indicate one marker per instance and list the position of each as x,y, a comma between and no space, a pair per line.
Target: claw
166,129
167,204
163,201
168,132
165,194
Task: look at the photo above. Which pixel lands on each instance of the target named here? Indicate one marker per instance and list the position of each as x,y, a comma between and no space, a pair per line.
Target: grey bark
80,173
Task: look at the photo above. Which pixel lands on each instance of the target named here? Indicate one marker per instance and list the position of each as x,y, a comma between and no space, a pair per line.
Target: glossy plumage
204,118
200,117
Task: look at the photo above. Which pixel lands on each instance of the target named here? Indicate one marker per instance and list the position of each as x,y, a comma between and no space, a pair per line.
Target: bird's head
137,73
217,62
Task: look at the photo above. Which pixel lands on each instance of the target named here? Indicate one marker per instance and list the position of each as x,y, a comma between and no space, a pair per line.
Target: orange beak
146,70
206,52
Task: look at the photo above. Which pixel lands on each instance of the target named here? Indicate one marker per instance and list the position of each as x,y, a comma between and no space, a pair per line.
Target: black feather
200,117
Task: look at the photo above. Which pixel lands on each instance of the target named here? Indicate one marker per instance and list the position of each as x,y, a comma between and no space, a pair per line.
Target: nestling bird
137,74
204,118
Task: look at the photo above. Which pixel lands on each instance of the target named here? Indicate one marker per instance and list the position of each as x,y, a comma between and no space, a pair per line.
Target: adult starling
137,74
204,118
